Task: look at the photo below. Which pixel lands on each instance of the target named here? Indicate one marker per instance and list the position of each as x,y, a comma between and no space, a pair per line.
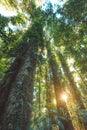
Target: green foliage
3,24
79,8
83,114
19,19
36,34
46,123
67,34
3,67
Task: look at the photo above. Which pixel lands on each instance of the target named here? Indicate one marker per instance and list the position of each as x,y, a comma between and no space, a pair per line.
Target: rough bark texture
18,106
17,88
19,92
58,90
5,86
9,78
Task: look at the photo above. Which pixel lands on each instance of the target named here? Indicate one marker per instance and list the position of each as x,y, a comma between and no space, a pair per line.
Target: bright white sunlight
64,97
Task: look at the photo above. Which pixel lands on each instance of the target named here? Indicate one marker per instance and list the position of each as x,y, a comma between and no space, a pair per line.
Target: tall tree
17,110
66,29
59,89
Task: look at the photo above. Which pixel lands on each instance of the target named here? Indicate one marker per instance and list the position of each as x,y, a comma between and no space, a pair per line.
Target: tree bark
17,87
17,111
75,91
6,84
58,90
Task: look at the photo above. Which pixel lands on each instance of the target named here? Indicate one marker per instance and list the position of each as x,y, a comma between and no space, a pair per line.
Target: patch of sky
19,1
7,13
59,2
55,5
10,13
19,27
15,28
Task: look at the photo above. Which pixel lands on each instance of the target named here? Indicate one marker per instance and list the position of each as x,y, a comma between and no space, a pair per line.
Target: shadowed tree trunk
6,84
58,90
17,109
9,78
17,103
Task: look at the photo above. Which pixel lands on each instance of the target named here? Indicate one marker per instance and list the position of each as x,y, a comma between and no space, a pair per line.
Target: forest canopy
43,65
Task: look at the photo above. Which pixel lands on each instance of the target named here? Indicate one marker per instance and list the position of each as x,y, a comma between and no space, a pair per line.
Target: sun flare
64,97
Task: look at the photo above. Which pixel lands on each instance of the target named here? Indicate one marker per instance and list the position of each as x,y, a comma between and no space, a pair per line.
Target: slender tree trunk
48,95
59,89
49,90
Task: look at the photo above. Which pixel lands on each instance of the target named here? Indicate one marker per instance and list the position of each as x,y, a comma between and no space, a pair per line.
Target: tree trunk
17,111
58,90
49,91
17,89
74,88
6,84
